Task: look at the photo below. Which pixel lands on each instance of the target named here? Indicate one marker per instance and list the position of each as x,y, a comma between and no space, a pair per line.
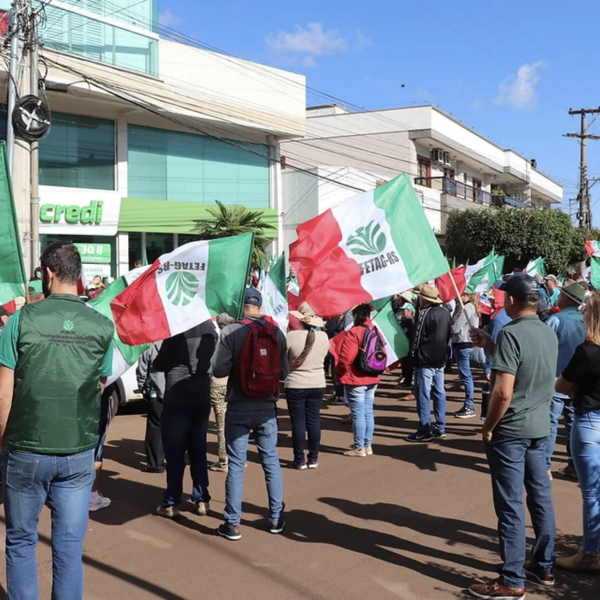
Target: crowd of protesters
539,350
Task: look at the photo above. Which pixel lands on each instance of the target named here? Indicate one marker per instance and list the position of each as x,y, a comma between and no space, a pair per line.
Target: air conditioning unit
437,155
446,158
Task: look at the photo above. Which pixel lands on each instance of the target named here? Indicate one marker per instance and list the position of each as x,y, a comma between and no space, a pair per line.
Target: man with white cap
570,330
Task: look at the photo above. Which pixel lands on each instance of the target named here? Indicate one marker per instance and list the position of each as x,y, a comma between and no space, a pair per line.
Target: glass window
79,152
170,165
158,244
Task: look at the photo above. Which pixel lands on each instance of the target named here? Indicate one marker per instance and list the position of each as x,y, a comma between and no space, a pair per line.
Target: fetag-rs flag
183,289
366,248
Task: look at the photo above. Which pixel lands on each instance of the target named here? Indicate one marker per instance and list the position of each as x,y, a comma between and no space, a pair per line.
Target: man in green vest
55,357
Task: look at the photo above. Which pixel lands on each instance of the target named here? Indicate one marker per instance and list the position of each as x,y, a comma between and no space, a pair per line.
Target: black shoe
151,470
465,413
278,527
229,532
419,436
438,435
535,573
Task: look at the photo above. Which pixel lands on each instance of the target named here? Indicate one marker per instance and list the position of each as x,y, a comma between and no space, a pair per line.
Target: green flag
481,276
396,342
12,266
124,356
536,267
274,289
595,273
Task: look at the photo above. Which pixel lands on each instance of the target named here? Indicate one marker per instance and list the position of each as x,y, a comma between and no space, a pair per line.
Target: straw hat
305,314
431,294
407,297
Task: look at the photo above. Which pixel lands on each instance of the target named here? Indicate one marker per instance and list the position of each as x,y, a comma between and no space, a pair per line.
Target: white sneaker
98,502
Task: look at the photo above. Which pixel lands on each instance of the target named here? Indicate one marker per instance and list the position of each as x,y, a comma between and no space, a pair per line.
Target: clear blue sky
509,68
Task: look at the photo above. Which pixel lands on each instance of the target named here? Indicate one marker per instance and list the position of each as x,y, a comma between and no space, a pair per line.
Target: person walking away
333,327
253,346
428,351
361,348
570,330
55,357
515,434
185,360
407,322
463,319
305,385
552,286
218,400
108,410
152,384
581,381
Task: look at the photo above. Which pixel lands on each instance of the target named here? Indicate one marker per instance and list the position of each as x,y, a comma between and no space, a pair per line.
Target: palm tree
232,219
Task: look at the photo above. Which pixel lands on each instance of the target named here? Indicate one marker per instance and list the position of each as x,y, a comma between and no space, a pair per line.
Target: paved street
411,522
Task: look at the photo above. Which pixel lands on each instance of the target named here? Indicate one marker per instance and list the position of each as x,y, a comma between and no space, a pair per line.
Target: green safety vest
60,350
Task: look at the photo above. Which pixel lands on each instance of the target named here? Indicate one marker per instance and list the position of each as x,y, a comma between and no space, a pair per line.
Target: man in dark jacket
246,414
185,360
430,341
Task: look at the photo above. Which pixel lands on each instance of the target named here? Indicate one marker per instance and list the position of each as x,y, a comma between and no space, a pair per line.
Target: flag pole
458,294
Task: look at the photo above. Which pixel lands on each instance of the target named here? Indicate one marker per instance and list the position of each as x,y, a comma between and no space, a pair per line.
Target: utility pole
12,82
585,212
34,83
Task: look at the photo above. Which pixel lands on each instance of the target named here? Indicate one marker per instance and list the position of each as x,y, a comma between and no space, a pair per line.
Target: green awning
160,216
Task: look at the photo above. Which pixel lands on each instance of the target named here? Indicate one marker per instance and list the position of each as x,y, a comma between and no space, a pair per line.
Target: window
423,171
79,152
449,182
170,165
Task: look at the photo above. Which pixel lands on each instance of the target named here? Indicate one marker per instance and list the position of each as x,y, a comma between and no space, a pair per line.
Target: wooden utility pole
584,214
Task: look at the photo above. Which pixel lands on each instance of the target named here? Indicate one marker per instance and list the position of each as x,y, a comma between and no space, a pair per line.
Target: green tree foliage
519,234
231,219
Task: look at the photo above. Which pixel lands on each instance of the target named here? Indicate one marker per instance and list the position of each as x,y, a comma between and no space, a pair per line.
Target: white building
154,130
453,166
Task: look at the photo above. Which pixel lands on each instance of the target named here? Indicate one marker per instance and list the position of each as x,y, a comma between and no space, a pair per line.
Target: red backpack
259,366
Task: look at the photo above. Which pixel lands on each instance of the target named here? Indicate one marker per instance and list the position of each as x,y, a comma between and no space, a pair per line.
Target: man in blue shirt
569,327
553,290
497,322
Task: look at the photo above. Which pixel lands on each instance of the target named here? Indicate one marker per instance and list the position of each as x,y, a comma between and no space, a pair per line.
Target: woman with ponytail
305,385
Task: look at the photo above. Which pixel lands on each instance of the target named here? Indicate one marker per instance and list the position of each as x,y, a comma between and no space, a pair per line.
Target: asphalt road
412,522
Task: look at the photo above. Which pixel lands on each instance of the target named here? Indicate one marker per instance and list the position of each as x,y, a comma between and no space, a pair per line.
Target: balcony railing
459,189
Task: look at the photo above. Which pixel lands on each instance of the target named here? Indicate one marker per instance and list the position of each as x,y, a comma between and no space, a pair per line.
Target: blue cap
253,297
521,286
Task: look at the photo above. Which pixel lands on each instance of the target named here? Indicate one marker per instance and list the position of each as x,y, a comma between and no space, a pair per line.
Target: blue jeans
463,360
238,425
65,483
514,463
184,427
430,383
558,408
305,413
585,444
361,399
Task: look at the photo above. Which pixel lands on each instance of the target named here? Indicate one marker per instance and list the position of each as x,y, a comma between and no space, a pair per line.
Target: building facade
452,165
149,135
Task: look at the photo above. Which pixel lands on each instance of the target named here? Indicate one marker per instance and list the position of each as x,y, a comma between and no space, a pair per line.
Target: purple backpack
372,357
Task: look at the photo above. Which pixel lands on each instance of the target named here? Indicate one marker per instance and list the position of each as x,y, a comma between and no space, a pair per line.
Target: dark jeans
408,370
184,426
514,463
330,365
305,407
155,454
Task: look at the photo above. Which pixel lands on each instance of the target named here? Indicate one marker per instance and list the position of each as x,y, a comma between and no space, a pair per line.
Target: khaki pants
218,395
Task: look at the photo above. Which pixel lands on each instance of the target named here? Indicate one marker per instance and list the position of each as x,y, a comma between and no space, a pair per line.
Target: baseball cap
253,297
35,287
521,287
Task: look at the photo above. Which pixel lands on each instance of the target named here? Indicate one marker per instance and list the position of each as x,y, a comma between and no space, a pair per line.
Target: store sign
92,271
94,253
78,212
